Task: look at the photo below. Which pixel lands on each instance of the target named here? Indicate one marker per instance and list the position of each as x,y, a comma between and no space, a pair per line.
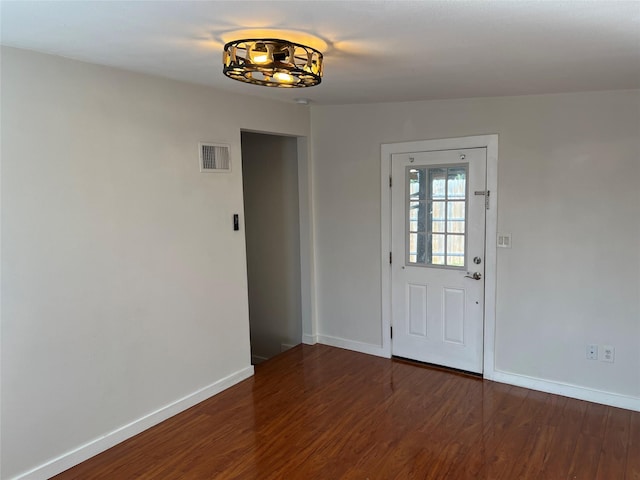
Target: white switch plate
608,353
592,352
504,240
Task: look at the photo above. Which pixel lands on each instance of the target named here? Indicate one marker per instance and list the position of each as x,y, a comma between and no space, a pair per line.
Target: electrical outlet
608,353
592,352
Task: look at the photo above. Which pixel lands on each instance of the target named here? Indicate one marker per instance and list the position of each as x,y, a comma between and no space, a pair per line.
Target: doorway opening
272,233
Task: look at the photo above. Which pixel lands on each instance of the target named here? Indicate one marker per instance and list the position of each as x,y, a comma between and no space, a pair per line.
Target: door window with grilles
437,205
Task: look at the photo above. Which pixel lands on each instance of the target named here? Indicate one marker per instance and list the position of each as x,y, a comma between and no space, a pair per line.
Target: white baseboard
100,444
309,339
286,346
566,390
257,359
361,347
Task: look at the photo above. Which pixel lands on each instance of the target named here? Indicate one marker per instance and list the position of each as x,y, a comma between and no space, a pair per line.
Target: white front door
437,245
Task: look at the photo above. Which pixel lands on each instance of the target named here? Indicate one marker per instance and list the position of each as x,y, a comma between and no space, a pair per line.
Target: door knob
474,275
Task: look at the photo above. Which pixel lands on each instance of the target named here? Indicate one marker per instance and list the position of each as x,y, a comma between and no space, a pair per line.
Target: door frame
490,142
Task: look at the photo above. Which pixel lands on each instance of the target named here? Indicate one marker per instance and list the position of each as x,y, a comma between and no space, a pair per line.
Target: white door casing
438,246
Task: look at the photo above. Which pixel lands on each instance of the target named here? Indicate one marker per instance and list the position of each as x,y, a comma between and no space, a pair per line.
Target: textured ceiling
376,51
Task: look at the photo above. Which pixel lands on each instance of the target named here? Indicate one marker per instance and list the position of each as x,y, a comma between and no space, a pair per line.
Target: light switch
504,240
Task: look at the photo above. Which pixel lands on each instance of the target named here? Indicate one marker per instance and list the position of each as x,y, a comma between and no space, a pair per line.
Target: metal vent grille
214,157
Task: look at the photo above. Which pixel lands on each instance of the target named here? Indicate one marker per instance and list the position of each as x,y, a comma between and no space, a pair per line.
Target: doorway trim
490,142
307,247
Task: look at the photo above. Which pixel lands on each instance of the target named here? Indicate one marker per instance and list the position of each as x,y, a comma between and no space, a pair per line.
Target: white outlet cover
608,353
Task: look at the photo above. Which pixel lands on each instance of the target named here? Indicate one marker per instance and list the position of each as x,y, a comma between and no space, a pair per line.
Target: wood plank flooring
325,413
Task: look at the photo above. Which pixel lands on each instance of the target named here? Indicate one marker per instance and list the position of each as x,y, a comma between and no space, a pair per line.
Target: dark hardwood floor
325,413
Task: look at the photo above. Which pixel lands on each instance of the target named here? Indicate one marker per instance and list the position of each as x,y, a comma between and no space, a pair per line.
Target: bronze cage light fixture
272,62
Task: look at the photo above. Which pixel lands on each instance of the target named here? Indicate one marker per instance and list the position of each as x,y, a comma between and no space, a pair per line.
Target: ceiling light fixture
272,62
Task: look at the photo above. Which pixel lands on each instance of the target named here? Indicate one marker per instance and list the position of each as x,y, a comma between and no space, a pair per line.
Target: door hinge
390,181
487,195
391,331
390,258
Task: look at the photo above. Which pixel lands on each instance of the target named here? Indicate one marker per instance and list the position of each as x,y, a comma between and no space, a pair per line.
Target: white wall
123,285
568,174
270,184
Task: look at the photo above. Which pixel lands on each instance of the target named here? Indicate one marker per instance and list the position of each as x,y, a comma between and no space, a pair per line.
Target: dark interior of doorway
272,232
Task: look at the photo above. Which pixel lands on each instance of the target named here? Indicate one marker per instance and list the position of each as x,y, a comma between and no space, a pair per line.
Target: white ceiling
376,51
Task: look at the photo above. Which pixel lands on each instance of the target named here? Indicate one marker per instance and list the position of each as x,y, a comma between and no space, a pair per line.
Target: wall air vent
214,157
